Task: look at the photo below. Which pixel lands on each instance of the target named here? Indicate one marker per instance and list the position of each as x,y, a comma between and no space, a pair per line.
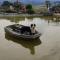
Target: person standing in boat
33,30
30,30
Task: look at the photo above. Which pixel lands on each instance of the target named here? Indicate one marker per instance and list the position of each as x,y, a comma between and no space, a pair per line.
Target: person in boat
30,30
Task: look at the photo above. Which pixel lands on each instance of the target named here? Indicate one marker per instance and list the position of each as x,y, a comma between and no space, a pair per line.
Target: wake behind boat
15,30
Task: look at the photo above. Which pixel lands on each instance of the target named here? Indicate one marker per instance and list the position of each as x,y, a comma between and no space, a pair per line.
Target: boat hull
13,33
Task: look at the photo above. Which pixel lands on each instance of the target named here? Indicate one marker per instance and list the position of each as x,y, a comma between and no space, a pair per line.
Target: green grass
18,18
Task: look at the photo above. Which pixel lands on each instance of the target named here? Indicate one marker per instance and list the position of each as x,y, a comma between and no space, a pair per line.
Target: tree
29,6
30,12
29,9
6,3
17,6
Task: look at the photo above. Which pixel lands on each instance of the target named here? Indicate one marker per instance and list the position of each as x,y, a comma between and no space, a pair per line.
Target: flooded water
47,47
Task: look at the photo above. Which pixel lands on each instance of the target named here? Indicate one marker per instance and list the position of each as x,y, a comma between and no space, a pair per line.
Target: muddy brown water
47,47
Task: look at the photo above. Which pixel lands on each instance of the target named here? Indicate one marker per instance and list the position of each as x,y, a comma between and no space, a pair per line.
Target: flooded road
45,48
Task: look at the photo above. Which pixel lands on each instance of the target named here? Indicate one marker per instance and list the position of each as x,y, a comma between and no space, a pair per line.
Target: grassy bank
22,17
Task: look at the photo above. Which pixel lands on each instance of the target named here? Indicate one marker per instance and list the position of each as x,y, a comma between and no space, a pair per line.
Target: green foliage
17,6
29,9
6,3
29,6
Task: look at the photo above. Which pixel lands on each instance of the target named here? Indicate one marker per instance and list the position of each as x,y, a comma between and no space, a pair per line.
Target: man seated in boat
30,30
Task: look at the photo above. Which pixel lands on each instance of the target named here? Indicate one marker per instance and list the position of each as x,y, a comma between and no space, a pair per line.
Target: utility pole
48,4
17,1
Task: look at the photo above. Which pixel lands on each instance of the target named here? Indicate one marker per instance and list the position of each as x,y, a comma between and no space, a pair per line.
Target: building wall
40,8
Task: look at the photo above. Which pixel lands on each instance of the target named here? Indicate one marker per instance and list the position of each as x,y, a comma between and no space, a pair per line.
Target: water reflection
25,43
15,19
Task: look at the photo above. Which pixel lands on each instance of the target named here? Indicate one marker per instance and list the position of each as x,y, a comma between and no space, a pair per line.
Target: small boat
14,30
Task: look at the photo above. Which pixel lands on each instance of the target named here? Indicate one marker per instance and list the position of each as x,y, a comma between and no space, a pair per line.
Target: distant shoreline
18,16
21,15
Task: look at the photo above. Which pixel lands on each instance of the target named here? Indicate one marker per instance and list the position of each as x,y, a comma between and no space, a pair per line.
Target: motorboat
14,30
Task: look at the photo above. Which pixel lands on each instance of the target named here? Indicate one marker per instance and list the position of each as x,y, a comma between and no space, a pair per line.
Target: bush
29,6
30,12
29,9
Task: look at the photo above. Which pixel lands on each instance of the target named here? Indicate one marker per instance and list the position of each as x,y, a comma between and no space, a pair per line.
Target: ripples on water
45,48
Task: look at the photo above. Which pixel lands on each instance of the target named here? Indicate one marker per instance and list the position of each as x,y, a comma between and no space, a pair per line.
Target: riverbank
16,16
21,15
